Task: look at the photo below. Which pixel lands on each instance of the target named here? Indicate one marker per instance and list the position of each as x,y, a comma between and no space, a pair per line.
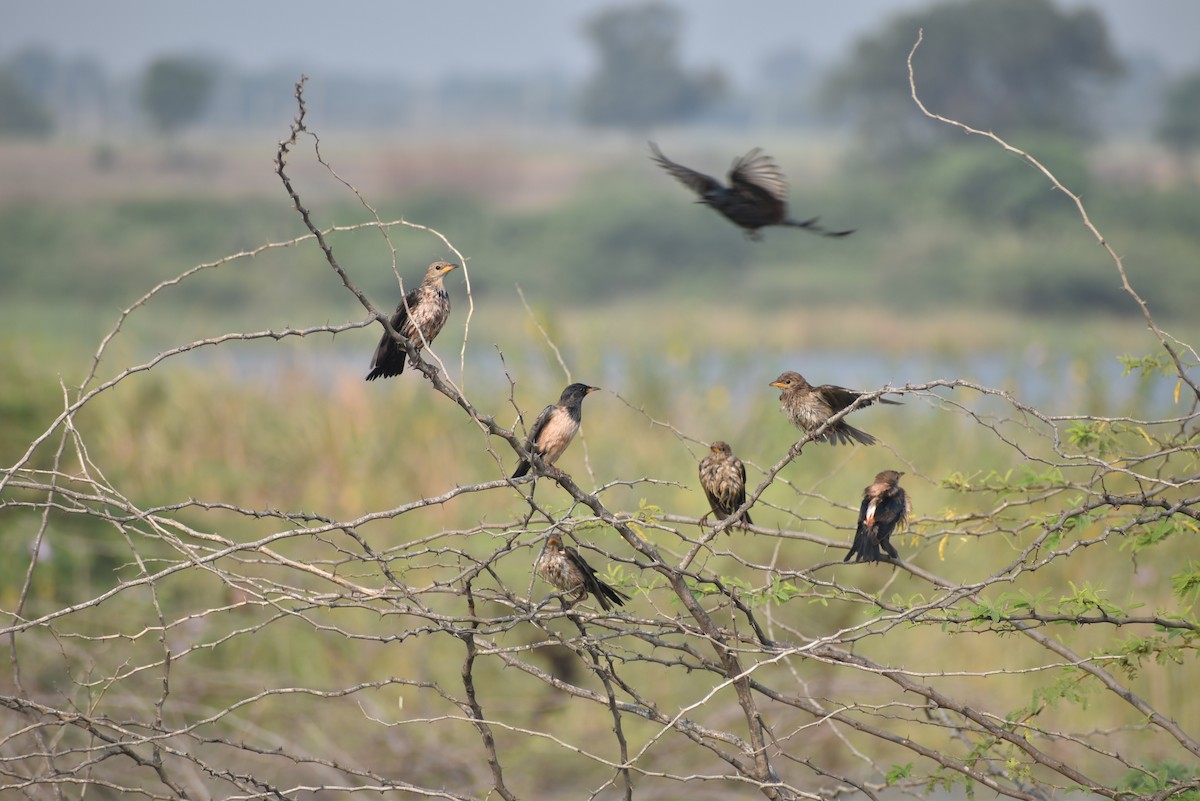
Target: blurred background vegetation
965,264
114,183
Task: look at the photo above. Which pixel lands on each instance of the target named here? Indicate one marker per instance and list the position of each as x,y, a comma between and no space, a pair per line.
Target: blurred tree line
1017,66
967,229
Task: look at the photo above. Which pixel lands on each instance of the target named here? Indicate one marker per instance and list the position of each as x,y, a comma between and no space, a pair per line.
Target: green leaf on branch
1152,364
898,773
1186,585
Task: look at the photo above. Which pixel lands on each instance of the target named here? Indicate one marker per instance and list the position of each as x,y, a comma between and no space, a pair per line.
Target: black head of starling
575,393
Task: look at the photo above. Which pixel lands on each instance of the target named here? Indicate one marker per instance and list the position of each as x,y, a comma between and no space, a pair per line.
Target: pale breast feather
556,435
428,316
811,416
557,572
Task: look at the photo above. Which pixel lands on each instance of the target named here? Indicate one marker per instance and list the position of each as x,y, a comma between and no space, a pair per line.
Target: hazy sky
429,39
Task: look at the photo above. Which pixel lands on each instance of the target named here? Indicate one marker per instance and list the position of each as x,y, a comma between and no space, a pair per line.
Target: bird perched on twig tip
418,318
810,407
884,508
555,427
755,198
564,569
723,477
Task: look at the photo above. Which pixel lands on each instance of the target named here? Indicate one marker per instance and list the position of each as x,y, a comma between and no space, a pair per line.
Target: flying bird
810,407
723,477
419,318
884,508
555,427
563,568
756,196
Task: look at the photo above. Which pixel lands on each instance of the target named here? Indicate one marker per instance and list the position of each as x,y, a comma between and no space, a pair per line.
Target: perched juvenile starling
555,427
565,569
418,318
756,195
808,408
884,507
723,477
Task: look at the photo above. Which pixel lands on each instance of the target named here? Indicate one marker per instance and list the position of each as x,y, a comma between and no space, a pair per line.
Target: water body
1055,384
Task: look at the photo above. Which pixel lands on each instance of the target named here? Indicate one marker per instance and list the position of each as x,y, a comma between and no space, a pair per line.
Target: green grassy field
971,232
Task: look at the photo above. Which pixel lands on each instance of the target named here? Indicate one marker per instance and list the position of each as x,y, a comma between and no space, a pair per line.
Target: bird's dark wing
890,513
389,358
698,182
606,595
866,544
717,504
756,174
531,441
892,509
738,496
741,494
838,398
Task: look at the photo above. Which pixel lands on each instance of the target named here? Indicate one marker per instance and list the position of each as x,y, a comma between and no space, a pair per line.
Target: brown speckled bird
555,427
563,568
756,196
723,477
884,508
809,407
418,318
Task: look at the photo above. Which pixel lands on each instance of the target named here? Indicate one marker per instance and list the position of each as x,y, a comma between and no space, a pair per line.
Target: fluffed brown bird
563,568
884,508
809,408
723,477
555,427
755,198
418,318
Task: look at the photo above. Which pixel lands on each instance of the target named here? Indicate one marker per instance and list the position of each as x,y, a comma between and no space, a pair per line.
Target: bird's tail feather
865,546
607,596
385,371
521,470
811,225
845,434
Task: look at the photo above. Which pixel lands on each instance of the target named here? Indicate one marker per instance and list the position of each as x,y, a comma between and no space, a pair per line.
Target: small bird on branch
755,198
563,568
723,477
418,318
884,508
810,407
555,427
